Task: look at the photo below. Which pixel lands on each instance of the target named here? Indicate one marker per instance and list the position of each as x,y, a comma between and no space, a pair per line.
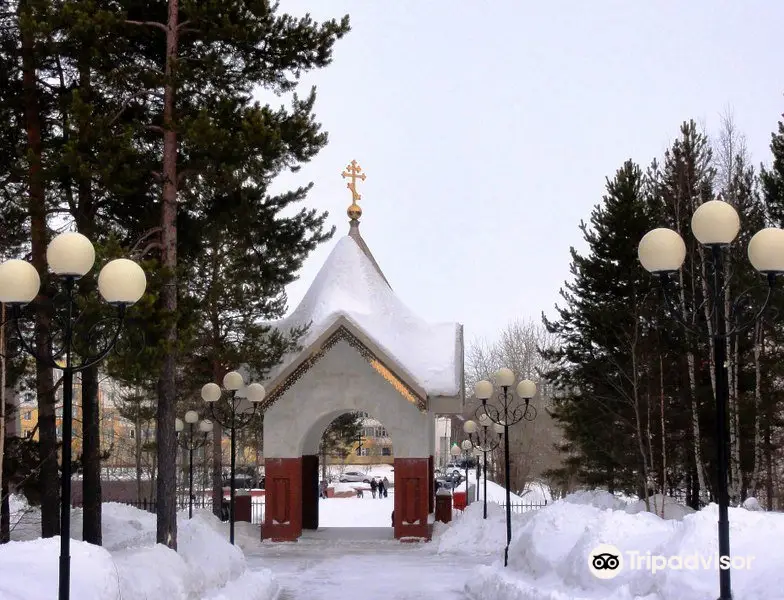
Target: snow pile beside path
29,571
152,572
664,506
25,520
123,526
247,536
133,567
212,560
470,533
549,554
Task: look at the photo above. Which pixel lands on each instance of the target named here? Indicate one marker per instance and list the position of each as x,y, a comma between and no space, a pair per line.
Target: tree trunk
217,453
638,417
47,427
91,457
5,514
2,390
323,462
732,343
663,435
167,384
769,461
695,409
758,449
138,454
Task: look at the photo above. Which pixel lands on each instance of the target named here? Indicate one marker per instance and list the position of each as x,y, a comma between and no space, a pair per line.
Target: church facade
364,351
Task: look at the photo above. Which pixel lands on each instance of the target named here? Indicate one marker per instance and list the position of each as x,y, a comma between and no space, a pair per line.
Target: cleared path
323,568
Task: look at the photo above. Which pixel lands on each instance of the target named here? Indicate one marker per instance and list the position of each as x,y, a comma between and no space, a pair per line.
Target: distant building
374,446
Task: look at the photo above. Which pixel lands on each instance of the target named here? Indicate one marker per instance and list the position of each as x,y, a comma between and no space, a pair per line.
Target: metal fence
257,505
524,507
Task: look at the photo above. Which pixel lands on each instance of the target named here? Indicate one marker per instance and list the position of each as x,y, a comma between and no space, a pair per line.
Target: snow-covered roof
351,285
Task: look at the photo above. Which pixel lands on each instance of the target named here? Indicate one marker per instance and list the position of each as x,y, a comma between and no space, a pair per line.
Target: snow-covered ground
375,569
357,512
130,565
549,556
551,550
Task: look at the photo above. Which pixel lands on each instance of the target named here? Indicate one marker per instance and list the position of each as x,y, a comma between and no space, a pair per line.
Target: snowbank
29,571
132,566
469,533
549,554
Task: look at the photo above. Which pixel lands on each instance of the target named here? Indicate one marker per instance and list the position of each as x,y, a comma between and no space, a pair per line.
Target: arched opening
349,482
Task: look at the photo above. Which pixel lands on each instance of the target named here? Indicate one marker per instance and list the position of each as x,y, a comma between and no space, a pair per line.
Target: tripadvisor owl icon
605,561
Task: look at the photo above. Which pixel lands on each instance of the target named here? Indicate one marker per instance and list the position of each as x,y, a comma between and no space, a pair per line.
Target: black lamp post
232,414
485,443
662,252
467,447
507,414
121,283
190,442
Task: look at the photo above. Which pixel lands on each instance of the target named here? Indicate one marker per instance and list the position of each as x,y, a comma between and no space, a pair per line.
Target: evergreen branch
161,26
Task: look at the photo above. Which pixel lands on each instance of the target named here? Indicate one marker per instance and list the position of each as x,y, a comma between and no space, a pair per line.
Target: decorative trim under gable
343,334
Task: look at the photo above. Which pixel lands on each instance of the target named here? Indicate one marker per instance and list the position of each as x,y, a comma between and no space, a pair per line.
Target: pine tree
199,63
772,192
772,179
338,437
600,362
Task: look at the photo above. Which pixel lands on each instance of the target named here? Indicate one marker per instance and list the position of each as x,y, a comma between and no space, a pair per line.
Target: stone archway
344,372
311,474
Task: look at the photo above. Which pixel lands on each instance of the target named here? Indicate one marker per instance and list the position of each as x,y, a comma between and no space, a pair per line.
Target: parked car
244,481
449,482
448,471
354,476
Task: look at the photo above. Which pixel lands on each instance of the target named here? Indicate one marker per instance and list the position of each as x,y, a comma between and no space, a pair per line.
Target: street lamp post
485,443
508,414
455,452
191,442
121,283
662,252
467,447
230,416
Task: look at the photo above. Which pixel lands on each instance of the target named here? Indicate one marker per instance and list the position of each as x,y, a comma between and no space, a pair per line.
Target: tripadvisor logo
606,561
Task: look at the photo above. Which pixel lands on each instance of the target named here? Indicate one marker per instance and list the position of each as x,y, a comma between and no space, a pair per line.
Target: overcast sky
487,128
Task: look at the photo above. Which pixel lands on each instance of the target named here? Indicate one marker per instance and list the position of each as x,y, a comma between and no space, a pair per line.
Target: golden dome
354,211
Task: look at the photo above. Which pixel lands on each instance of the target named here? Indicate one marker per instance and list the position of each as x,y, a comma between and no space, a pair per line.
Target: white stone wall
340,382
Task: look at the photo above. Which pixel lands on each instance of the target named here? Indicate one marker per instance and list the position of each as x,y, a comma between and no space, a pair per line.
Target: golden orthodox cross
353,171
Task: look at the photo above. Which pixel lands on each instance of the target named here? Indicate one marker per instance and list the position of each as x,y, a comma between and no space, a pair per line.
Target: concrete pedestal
443,506
242,506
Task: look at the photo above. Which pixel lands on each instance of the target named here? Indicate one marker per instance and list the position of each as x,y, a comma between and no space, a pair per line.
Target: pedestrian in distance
386,486
373,487
381,490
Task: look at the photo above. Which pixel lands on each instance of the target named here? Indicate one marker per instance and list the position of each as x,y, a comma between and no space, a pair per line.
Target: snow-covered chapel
365,350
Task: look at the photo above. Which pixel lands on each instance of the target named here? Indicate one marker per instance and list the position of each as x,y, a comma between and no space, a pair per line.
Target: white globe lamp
715,223
210,392
526,389
19,282
504,377
661,250
233,381
70,254
766,251
122,282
